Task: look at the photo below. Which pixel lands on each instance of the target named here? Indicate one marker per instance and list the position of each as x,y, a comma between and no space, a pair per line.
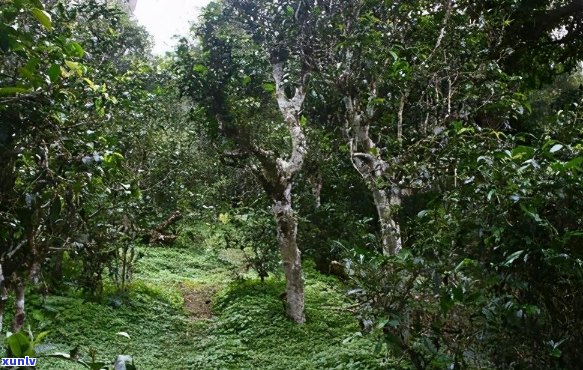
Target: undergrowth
248,330
252,331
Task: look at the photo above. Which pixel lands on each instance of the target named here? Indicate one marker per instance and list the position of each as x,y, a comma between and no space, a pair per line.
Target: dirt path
198,300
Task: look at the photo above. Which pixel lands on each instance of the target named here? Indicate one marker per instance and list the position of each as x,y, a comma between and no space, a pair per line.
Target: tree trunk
276,175
390,228
160,236
367,161
19,314
287,227
3,297
57,270
287,224
316,184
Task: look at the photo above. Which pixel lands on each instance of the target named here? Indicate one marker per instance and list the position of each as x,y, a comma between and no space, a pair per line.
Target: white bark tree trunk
367,161
3,297
317,191
287,227
390,228
19,314
275,173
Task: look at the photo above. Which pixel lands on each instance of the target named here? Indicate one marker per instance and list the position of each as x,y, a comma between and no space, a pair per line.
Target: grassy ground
188,310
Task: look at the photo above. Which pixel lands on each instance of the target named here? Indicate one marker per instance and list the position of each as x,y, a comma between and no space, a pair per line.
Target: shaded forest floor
193,307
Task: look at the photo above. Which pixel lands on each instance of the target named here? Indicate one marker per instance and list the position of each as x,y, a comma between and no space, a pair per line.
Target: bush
493,276
253,232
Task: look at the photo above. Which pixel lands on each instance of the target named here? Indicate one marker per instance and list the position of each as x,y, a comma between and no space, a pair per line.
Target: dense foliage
429,155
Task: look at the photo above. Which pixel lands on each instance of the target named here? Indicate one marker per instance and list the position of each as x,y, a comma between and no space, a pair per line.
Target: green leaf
199,68
224,218
75,67
99,366
20,345
464,263
30,71
446,303
268,87
457,293
4,38
378,347
457,126
43,18
54,73
490,194
91,84
39,338
512,258
422,213
522,151
72,65
573,163
75,49
350,338
535,216
113,159
532,310
382,322
555,352
37,3
12,90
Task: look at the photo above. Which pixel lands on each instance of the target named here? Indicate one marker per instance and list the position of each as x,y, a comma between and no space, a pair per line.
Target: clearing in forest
190,308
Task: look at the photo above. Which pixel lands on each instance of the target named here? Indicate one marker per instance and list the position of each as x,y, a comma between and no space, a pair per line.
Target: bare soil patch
197,300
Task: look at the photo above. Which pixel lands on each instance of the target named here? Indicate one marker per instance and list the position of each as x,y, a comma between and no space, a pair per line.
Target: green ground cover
170,325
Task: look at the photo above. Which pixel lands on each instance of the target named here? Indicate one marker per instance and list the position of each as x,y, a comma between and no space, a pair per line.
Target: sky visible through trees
165,19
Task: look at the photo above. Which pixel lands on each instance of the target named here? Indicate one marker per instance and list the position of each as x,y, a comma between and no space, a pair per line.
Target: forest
299,184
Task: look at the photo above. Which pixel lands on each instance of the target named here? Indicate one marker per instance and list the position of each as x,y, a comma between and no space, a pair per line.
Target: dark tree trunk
57,271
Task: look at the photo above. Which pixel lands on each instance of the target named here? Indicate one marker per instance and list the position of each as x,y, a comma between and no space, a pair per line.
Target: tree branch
290,109
548,20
